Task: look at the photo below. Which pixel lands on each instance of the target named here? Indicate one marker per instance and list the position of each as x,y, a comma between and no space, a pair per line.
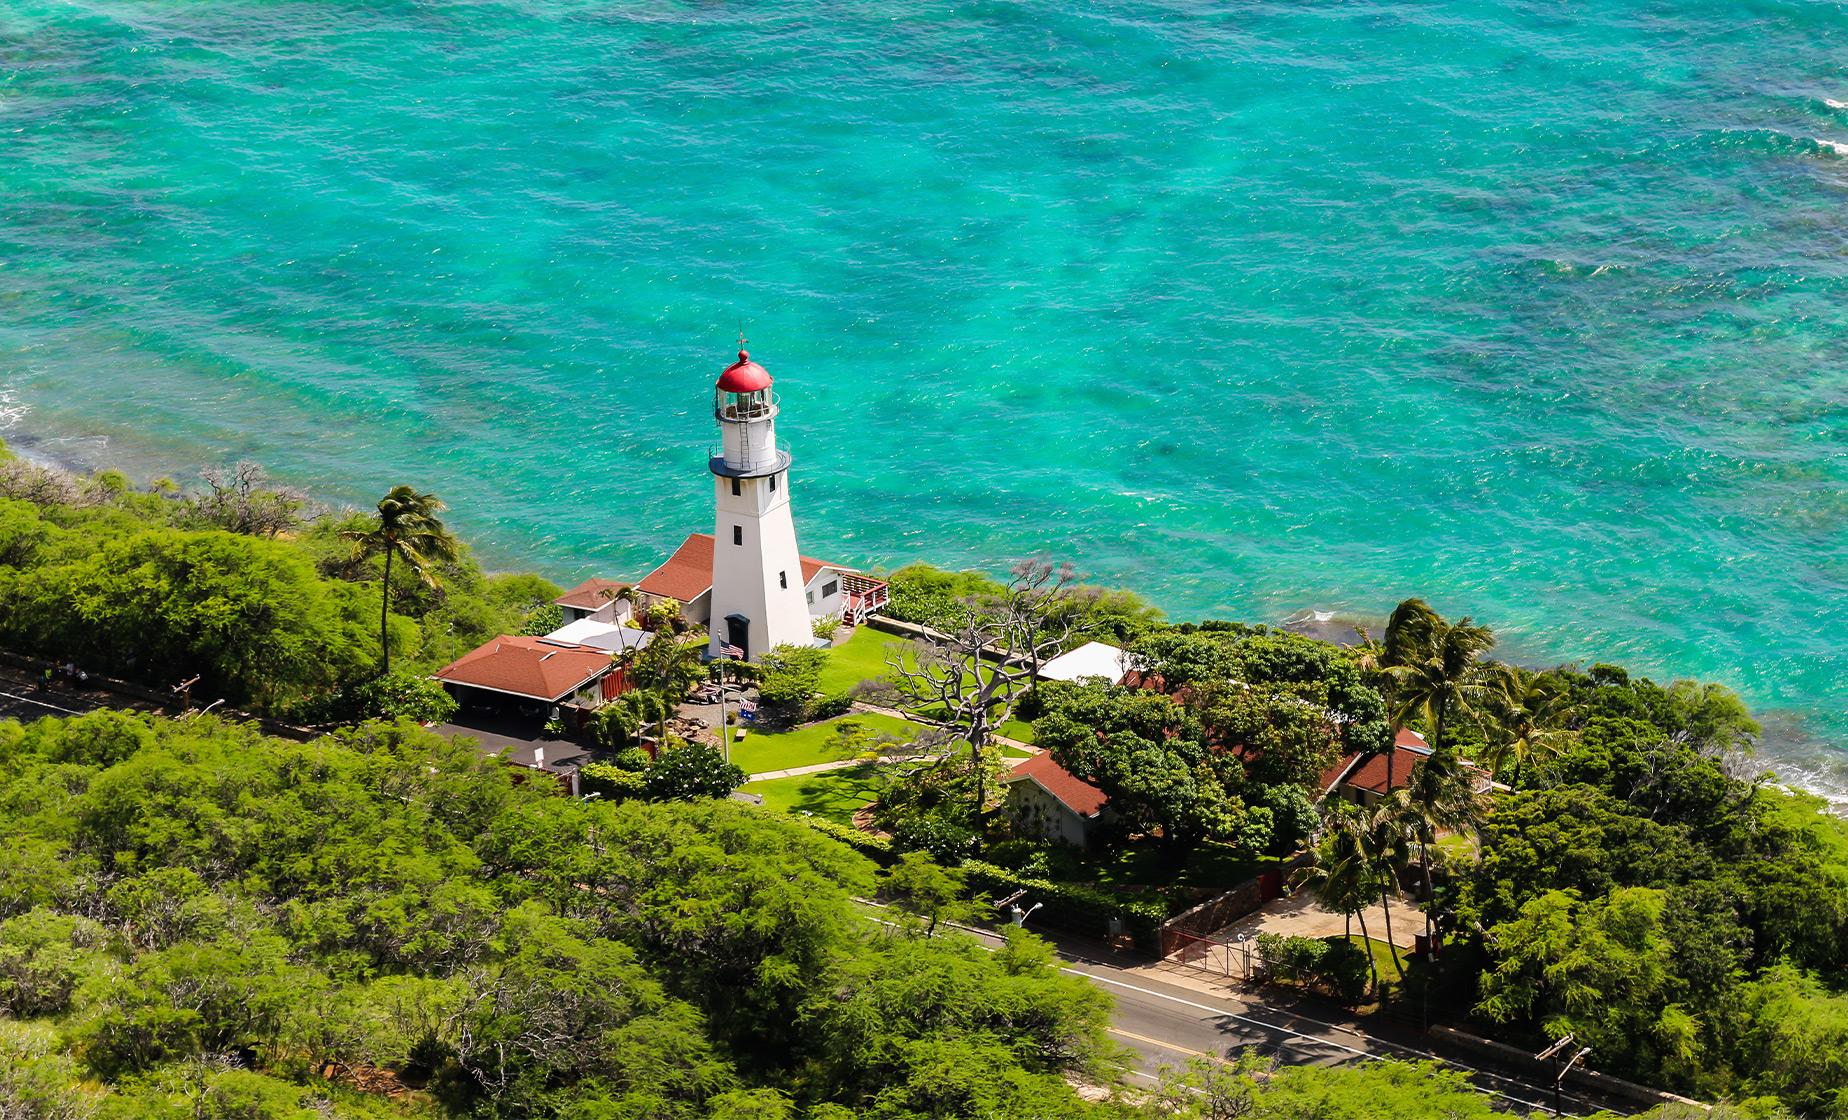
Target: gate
1234,958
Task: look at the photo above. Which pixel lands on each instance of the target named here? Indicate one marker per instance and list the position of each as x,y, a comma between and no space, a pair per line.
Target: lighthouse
758,599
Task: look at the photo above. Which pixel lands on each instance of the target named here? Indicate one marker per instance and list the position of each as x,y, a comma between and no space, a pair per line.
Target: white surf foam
12,409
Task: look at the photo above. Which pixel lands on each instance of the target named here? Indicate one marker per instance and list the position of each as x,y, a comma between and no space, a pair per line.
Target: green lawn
861,657
760,752
1383,954
1458,848
834,794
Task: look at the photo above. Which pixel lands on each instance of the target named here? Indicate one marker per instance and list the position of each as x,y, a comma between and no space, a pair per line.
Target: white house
1045,800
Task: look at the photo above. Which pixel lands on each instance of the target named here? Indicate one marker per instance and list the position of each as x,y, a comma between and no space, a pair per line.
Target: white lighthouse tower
758,601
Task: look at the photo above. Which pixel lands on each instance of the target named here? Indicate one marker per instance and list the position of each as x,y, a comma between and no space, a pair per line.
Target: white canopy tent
1092,659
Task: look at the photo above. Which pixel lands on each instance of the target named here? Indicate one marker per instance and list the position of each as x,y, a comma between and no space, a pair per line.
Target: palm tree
1382,834
1366,652
1441,795
1343,876
668,665
1435,669
408,530
1407,641
1532,710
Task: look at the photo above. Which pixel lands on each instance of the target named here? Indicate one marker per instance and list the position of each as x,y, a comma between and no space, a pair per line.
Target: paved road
1167,1024
25,703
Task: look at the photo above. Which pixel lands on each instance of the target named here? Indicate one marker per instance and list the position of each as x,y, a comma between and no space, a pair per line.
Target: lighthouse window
736,489
737,534
782,579
773,483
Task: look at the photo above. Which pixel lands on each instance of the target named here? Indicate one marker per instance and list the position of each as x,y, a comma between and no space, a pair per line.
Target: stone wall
1223,909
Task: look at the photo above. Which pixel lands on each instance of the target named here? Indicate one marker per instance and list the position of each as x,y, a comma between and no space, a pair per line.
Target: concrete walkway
799,771
862,706
1300,915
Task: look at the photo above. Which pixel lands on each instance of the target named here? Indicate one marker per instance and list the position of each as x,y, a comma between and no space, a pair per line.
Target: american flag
730,651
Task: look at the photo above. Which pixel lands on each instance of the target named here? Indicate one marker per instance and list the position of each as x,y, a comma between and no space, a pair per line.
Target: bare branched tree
239,498
968,679
42,486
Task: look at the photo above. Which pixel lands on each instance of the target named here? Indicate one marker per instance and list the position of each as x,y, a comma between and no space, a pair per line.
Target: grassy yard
1020,730
760,752
861,657
1458,848
1145,864
1383,955
833,794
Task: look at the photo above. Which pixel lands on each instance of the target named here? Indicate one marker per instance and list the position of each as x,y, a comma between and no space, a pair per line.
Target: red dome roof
744,375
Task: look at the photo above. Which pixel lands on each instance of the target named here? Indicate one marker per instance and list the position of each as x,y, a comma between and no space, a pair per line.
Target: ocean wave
1770,141
12,409
1330,626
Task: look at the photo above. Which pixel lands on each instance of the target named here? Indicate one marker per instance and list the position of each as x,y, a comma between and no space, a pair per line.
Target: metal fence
1232,957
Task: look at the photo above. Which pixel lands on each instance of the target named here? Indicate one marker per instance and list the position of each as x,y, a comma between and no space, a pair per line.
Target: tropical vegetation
199,921
262,601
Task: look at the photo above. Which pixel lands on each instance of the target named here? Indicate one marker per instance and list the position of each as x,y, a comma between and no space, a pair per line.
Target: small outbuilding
595,598
607,636
1046,801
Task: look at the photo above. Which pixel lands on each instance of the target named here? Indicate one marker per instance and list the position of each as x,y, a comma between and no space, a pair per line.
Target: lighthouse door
738,633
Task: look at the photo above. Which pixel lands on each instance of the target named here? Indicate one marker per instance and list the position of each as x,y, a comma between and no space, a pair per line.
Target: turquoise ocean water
1537,309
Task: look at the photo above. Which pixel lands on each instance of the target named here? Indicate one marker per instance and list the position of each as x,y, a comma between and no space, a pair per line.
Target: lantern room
743,391
745,408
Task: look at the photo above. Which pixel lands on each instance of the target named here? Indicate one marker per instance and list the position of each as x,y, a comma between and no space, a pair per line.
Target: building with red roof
828,588
526,672
1361,778
595,598
1045,800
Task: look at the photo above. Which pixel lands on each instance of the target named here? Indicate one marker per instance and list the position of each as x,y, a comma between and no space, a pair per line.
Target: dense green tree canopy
271,610
213,920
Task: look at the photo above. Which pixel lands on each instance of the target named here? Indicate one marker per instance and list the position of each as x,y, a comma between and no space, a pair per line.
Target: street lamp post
1562,1065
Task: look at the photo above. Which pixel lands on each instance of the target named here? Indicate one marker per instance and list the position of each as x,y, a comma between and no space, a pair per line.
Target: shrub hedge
1066,906
1073,906
1333,964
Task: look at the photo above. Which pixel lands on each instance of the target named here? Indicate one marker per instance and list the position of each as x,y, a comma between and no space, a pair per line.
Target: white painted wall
749,444
820,605
756,566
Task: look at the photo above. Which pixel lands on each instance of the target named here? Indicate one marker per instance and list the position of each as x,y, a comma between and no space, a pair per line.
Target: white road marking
40,703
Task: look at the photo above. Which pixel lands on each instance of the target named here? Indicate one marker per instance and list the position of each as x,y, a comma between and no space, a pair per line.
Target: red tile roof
593,594
525,666
1370,774
1082,798
687,574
